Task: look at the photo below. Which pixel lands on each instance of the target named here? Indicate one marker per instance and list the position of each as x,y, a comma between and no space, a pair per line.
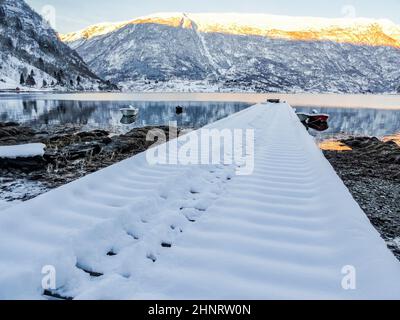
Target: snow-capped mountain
244,51
360,31
30,47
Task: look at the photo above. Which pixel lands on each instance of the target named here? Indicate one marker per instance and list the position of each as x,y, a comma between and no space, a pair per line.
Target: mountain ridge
170,52
32,50
340,30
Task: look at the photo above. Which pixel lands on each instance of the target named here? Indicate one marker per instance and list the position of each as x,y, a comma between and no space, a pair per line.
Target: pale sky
73,15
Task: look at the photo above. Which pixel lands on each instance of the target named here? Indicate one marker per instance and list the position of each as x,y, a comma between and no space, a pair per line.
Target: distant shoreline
366,101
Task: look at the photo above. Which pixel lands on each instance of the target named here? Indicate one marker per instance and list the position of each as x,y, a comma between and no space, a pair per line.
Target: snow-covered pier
289,230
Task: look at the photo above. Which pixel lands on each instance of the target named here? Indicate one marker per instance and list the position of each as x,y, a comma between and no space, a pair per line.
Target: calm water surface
350,114
358,122
107,115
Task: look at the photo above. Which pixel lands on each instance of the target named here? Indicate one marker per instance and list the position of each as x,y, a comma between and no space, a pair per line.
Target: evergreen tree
3,17
22,79
52,83
78,80
18,25
44,83
30,81
41,62
59,77
2,12
9,43
71,83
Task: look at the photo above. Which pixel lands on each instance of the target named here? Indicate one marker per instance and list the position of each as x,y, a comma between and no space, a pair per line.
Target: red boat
313,117
318,126
318,118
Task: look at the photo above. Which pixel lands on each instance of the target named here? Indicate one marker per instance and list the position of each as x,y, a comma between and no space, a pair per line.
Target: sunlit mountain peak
343,30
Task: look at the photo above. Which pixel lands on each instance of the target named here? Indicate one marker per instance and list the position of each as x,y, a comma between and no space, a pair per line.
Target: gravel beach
371,171
70,154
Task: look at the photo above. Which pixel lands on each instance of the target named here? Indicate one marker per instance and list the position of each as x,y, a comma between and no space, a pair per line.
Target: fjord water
90,115
349,114
357,122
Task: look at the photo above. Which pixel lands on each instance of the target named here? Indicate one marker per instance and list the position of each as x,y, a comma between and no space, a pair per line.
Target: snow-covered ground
170,86
205,86
10,73
195,86
7,204
22,151
287,231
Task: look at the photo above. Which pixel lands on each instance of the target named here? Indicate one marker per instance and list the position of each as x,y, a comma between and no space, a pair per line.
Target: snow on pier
289,230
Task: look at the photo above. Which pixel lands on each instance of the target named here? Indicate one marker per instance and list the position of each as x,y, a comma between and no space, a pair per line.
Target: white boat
130,111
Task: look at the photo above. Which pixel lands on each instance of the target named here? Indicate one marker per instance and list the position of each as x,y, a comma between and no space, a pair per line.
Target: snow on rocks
22,151
290,230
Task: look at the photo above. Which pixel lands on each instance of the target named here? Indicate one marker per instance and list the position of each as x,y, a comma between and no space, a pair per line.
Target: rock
36,176
93,134
51,155
396,159
79,151
106,140
133,142
13,132
59,137
8,124
24,164
361,142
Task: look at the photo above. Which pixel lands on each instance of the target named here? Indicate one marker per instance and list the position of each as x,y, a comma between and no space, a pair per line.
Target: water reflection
107,115
319,126
128,120
357,121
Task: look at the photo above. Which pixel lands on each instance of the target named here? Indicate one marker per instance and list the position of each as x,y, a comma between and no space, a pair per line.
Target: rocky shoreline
371,171
70,154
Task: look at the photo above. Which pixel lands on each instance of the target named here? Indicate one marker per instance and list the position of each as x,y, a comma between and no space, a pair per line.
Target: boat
130,111
274,101
318,126
179,110
314,117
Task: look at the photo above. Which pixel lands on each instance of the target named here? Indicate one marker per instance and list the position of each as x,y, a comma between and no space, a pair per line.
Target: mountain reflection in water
357,121
107,115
